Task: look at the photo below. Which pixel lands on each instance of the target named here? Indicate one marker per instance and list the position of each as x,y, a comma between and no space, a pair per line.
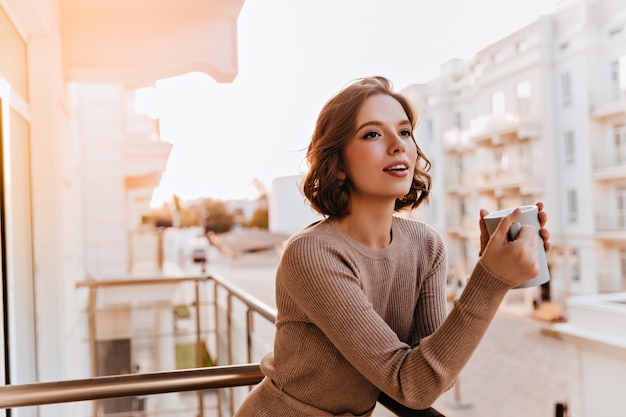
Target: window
500,159
526,164
570,147
622,264
13,56
522,90
572,206
430,130
522,45
619,143
615,31
566,88
522,94
460,168
498,103
462,208
618,78
621,208
465,251
574,265
479,68
498,57
458,120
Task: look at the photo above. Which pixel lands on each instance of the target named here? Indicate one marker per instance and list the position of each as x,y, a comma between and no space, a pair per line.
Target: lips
397,166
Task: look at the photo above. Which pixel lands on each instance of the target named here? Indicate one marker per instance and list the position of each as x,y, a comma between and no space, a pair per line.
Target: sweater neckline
365,250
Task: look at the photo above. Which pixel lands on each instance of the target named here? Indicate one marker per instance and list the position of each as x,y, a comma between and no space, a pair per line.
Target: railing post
250,329
93,345
198,346
216,312
458,401
229,309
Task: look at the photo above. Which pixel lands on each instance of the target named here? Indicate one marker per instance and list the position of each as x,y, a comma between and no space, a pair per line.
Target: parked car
199,256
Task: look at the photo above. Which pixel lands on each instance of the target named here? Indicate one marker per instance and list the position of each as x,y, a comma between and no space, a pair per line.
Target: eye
405,133
371,135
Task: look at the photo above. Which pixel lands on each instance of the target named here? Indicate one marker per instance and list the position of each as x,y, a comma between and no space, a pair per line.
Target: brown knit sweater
354,321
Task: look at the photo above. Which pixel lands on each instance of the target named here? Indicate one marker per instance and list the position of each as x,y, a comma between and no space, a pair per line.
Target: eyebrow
378,123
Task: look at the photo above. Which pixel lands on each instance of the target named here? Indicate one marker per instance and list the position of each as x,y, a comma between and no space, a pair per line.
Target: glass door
18,277
3,264
621,208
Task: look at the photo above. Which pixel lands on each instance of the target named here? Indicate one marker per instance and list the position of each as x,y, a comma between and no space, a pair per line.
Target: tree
260,218
159,217
217,218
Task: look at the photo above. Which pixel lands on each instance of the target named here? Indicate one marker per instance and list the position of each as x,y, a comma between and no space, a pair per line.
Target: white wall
289,211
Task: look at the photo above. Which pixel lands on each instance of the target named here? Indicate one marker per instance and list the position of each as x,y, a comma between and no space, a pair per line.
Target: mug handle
514,231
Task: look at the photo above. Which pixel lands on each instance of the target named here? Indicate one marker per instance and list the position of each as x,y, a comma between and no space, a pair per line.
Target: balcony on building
609,162
508,154
493,128
610,224
457,147
609,103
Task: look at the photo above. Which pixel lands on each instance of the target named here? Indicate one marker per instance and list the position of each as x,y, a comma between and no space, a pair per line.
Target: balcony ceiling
136,42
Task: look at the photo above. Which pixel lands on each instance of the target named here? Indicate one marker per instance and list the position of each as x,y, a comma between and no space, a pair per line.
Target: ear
342,175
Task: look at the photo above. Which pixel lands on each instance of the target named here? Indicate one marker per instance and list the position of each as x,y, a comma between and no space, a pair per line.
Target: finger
543,218
528,232
545,235
502,231
481,223
484,233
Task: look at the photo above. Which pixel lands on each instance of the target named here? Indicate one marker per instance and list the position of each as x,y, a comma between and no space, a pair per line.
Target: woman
361,294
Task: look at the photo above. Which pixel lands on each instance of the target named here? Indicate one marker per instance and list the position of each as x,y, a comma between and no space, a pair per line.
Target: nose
397,144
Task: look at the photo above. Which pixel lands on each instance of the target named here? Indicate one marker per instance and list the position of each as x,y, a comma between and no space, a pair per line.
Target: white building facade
289,211
537,116
77,164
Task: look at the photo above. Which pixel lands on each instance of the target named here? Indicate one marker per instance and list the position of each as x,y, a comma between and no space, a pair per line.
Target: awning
149,180
136,42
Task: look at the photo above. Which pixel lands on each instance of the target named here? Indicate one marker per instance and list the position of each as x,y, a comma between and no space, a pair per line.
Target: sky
293,56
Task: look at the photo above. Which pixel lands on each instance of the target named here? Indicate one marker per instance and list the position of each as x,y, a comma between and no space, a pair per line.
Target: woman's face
380,159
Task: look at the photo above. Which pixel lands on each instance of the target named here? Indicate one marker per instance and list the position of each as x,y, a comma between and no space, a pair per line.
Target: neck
369,224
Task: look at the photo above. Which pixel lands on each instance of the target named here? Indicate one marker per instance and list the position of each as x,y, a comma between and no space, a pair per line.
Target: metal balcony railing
610,157
224,377
611,221
200,321
56,392
43,393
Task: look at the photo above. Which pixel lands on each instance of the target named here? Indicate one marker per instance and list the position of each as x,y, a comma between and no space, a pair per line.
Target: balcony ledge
136,43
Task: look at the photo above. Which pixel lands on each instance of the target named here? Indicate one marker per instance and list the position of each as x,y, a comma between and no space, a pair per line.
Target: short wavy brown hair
336,124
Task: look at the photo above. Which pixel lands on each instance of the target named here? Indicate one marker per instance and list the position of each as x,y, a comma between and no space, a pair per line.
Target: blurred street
517,371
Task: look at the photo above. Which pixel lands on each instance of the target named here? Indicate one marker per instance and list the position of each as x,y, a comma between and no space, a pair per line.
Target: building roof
242,241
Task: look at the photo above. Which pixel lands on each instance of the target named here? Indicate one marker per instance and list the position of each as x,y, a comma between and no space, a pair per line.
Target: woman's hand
513,261
544,233
543,218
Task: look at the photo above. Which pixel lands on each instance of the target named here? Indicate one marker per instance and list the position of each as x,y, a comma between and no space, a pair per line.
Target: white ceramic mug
530,216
